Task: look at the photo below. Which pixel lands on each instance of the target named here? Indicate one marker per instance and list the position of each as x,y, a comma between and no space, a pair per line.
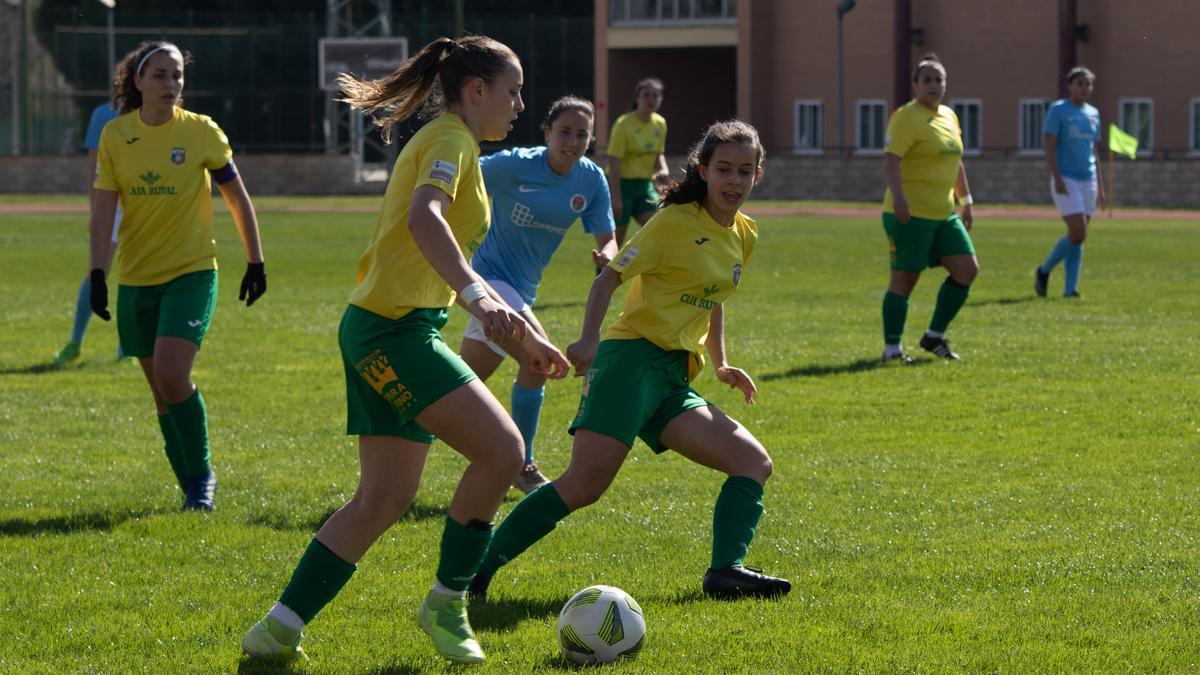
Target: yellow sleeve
900,136
219,152
106,175
643,251
616,143
749,240
662,146
441,163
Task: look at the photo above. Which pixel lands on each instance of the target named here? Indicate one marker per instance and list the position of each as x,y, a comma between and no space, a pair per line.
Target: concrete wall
1158,183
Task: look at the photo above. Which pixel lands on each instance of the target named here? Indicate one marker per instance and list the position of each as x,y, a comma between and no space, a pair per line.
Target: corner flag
1121,142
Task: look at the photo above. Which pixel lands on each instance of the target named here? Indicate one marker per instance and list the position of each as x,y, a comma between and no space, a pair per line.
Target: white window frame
804,103
1148,149
858,113
1193,120
1022,151
978,103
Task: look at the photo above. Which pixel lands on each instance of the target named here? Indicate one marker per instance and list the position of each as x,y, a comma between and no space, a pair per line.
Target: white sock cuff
448,592
284,615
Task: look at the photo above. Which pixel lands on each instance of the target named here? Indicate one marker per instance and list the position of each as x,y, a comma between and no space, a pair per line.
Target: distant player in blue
83,309
537,194
1072,137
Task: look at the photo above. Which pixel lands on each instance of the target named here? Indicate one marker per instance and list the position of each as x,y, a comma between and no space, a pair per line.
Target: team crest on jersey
578,203
178,156
737,274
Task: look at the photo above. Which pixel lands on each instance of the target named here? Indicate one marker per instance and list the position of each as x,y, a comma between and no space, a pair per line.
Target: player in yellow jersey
684,264
925,173
404,386
155,160
635,157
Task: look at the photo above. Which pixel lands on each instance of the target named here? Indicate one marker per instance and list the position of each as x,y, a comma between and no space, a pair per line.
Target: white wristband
472,292
966,200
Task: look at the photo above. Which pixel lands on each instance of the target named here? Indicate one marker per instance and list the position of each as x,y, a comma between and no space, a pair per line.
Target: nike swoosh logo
195,323
527,188
701,240
131,141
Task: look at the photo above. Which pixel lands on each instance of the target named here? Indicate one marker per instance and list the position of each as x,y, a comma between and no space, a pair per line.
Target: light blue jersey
532,208
102,115
1077,130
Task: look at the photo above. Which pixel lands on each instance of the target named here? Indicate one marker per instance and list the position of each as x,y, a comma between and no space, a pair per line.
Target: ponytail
427,82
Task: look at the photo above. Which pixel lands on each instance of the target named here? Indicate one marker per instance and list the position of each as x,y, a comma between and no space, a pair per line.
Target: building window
1194,127
1137,120
1032,125
871,120
970,118
644,12
810,127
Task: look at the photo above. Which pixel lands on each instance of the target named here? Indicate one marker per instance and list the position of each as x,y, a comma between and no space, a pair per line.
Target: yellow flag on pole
1121,142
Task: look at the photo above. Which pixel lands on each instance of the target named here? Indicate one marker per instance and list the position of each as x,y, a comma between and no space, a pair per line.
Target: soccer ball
601,624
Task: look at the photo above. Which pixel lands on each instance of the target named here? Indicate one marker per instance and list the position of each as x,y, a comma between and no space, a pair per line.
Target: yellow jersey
162,176
637,145
930,149
394,277
683,265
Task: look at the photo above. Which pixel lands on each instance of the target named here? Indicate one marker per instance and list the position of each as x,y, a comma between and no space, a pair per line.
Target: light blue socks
83,310
1071,255
526,411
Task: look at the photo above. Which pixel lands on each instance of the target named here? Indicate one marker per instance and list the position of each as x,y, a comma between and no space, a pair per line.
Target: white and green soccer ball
601,624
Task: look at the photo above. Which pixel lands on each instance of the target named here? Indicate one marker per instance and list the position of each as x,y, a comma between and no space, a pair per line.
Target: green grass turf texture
1033,507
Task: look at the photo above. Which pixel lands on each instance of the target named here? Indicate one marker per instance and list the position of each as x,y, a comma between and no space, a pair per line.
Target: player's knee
174,387
1077,238
758,467
380,508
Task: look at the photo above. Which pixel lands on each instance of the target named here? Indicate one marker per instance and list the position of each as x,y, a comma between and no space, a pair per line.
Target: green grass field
1034,507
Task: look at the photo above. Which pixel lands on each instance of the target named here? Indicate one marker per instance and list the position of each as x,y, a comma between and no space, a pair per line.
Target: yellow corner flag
1121,142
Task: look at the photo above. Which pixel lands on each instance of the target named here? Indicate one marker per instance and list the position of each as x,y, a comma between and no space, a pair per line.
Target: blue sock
1073,264
83,310
1061,247
526,410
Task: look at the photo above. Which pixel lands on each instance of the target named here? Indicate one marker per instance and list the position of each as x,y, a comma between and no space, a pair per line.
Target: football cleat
68,353
267,640
1073,294
1040,280
444,618
938,347
530,478
732,583
899,357
199,493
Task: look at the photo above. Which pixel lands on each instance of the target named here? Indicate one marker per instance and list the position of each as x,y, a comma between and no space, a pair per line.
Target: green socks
895,312
462,549
174,450
317,580
950,299
533,518
191,423
739,507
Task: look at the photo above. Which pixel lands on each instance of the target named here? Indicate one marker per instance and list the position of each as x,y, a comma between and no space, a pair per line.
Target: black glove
254,283
99,297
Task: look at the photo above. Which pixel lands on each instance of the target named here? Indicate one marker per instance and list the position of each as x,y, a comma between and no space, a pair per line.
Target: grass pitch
1033,507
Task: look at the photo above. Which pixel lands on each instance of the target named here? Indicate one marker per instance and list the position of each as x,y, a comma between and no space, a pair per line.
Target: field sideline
1034,507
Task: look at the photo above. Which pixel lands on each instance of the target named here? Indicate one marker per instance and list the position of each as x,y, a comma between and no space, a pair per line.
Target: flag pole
1109,196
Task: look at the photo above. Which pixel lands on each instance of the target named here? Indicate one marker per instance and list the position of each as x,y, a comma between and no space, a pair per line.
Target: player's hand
600,259
545,358
1101,202
738,379
900,206
1060,185
500,322
968,216
99,295
254,283
581,354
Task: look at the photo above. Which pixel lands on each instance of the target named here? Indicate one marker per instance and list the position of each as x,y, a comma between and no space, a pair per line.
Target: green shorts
182,308
637,196
922,243
633,389
395,368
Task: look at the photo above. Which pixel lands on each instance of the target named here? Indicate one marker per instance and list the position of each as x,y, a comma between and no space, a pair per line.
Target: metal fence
256,74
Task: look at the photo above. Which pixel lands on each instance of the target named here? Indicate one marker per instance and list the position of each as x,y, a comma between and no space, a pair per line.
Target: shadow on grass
304,523
506,613
559,305
399,669
40,368
859,366
1000,301
98,521
250,666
